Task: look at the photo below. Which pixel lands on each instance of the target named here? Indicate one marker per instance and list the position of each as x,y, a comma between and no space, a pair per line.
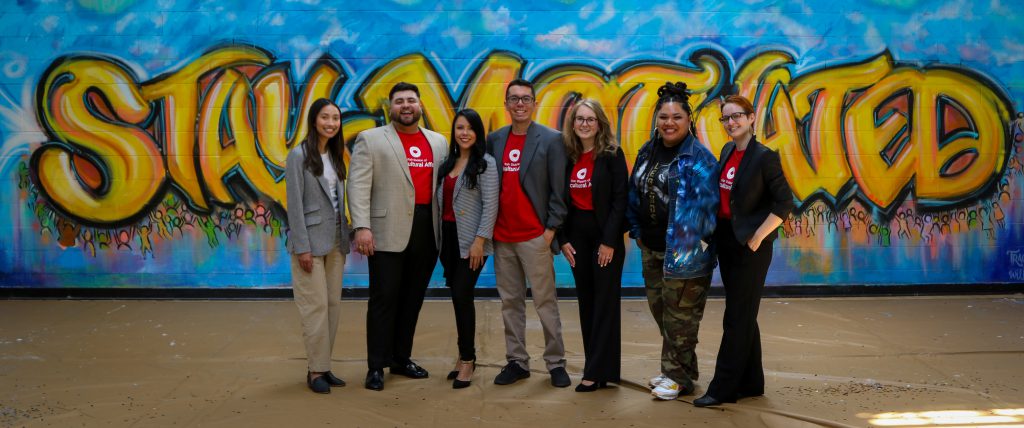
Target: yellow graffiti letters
874,130
628,97
105,167
224,117
179,93
939,129
487,93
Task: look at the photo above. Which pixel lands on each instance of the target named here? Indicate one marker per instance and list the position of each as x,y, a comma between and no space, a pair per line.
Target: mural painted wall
143,141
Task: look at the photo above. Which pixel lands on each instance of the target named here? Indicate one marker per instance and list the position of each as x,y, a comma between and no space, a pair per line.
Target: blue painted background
960,237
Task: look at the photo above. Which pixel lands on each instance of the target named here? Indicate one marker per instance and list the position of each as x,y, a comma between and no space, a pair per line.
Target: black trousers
398,283
461,280
738,370
598,290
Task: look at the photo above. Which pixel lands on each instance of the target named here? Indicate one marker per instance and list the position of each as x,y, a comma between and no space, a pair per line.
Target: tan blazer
380,191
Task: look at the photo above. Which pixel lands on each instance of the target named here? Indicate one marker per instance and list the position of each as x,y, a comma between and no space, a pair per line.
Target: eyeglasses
586,120
516,100
735,116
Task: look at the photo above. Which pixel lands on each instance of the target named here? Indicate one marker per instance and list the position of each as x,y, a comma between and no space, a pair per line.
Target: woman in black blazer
592,236
755,199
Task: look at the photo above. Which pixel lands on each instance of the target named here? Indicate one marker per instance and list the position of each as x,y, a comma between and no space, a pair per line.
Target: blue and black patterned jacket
693,186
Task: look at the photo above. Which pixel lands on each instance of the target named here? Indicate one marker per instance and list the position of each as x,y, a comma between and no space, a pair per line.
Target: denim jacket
693,205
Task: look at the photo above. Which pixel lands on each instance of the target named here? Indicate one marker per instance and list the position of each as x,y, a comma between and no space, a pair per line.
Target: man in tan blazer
392,179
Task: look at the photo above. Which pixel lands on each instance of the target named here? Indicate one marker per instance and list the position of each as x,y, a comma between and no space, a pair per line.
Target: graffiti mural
144,142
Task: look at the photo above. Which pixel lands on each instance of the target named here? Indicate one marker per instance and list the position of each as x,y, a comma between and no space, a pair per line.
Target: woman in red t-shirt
592,236
754,200
467,195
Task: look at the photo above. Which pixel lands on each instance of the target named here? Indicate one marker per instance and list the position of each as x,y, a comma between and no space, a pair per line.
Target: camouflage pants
677,306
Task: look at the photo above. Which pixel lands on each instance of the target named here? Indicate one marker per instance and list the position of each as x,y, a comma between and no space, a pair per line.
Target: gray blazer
541,171
381,195
475,209
312,224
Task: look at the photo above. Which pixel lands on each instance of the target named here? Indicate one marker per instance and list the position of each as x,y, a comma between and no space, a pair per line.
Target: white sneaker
668,389
655,381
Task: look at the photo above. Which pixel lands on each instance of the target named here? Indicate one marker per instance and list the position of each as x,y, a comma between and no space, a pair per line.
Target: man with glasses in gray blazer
532,164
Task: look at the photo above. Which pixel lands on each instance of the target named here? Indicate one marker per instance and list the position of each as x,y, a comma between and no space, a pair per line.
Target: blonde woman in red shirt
592,236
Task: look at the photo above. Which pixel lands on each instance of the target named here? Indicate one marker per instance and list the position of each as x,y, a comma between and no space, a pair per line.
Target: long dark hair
311,145
476,164
676,93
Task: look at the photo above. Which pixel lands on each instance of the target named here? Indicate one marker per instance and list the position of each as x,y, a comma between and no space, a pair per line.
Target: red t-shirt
447,211
580,192
421,165
517,222
725,181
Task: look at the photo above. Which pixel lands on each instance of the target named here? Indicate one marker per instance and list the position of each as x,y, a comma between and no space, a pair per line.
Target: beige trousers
318,296
515,264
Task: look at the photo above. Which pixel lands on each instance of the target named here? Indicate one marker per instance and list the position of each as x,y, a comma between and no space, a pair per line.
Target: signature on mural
1016,258
1016,266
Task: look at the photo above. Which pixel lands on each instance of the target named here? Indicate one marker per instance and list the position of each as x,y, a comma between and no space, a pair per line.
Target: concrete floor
934,361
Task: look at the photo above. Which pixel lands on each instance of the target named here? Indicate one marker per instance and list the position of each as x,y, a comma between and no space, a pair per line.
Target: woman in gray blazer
467,196
318,236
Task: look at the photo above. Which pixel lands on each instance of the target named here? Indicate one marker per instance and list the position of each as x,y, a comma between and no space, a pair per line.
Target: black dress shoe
333,380
510,374
375,380
592,387
410,370
318,385
706,401
559,377
453,374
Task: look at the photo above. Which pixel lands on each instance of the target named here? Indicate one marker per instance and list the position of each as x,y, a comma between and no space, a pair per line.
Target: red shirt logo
415,152
512,164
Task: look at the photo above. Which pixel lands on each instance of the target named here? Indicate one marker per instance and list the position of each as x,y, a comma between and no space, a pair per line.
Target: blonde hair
604,140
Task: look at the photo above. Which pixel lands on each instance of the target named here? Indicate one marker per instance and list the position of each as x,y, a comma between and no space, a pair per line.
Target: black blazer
609,188
759,189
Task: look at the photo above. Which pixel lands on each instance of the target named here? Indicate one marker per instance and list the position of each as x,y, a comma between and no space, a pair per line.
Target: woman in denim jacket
672,200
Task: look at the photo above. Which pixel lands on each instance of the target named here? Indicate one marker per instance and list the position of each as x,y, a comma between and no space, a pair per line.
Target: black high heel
592,387
459,384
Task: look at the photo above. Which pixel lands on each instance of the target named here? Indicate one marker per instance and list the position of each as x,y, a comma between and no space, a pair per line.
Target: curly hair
676,93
